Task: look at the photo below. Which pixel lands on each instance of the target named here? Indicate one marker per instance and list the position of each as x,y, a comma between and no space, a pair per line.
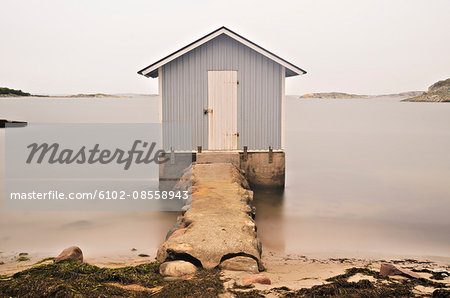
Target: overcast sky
368,47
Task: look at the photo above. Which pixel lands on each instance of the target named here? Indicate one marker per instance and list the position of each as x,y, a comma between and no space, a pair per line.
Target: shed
227,90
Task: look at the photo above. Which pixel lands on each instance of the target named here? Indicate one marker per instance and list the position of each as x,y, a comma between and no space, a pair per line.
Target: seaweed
434,275
339,286
250,294
354,270
44,260
70,279
441,293
362,288
206,284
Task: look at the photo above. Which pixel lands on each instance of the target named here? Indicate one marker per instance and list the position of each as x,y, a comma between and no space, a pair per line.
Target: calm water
364,177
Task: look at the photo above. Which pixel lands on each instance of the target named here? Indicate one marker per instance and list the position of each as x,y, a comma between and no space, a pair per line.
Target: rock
387,269
175,227
1,263
185,208
178,232
423,291
177,268
255,278
438,92
143,255
23,254
70,253
441,270
133,249
240,264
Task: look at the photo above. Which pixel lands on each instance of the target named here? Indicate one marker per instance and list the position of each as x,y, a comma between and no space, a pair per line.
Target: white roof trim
231,34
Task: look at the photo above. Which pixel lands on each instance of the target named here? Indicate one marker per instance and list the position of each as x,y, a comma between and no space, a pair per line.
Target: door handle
206,111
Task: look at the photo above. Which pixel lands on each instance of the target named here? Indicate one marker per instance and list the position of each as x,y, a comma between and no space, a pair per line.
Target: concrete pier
262,169
217,227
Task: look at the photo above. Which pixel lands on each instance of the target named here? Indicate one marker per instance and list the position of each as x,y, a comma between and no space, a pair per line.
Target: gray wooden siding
185,94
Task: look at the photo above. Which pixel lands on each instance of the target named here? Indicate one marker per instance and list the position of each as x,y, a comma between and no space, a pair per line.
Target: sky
355,46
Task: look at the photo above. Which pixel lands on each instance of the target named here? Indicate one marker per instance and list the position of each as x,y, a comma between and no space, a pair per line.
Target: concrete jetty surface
219,227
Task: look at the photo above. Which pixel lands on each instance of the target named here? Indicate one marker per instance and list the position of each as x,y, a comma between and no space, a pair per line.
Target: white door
222,110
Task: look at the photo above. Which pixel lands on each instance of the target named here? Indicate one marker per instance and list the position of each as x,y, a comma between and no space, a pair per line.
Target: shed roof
152,70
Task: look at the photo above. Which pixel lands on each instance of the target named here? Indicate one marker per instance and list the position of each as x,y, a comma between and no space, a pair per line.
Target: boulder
70,253
177,268
387,269
255,279
240,263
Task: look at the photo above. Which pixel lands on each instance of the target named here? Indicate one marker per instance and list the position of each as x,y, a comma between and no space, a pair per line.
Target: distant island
332,95
7,92
94,95
438,92
341,95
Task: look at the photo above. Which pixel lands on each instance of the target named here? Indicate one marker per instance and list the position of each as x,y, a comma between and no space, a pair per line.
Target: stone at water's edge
240,264
387,269
255,279
70,253
177,268
219,224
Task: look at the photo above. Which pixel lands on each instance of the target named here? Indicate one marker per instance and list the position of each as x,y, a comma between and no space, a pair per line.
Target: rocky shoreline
438,92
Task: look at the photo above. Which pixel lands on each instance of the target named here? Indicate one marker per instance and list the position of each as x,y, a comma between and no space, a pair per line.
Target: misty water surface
363,176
